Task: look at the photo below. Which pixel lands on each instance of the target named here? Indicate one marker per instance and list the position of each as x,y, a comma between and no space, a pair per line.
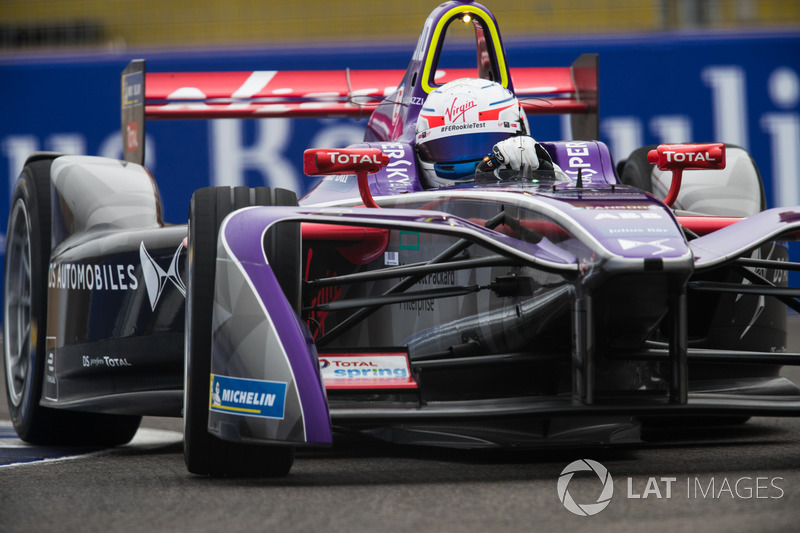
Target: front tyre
204,453
25,326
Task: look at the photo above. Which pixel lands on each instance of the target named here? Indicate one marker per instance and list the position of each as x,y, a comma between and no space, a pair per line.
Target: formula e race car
569,304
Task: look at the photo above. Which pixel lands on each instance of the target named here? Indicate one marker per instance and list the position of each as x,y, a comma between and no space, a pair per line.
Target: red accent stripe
433,120
313,231
493,114
705,225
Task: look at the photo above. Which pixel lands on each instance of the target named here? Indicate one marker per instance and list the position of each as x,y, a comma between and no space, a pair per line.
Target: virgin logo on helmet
458,112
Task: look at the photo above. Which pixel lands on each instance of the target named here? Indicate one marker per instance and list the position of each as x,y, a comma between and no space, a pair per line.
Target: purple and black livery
560,307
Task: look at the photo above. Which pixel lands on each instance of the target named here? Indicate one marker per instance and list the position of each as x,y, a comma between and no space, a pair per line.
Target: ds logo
586,509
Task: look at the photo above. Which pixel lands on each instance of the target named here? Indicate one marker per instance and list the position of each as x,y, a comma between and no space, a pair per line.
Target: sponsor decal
339,182
462,127
437,132
132,136
132,89
118,277
578,153
247,397
92,277
50,391
458,111
688,157
447,278
366,370
409,240
617,231
343,158
397,169
89,361
339,178
632,207
155,278
627,215
391,258
660,247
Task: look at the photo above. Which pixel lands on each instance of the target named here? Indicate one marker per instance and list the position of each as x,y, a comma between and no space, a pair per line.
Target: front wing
283,368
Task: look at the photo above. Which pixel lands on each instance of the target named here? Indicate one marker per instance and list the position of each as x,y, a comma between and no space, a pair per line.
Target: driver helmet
459,124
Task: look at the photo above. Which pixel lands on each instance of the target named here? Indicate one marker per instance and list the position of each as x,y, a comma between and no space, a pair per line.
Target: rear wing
332,93
392,99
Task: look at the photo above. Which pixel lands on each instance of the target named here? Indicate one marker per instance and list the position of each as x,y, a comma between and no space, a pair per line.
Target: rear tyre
637,170
204,453
25,326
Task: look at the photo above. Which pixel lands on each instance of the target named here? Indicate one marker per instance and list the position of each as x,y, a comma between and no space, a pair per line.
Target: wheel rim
17,303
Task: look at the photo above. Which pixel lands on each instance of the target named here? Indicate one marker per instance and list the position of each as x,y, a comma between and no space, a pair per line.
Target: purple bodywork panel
735,240
241,235
627,222
592,158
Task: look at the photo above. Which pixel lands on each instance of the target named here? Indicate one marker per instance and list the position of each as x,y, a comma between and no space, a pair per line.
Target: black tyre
25,326
637,170
204,453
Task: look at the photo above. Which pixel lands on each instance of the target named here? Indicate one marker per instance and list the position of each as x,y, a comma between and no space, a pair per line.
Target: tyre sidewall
33,189
204,453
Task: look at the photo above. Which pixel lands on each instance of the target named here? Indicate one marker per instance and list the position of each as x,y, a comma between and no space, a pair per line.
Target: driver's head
459,124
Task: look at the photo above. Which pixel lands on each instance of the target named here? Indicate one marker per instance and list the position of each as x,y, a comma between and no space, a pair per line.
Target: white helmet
459,124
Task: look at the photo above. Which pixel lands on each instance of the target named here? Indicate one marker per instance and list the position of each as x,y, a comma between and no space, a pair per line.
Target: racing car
565,305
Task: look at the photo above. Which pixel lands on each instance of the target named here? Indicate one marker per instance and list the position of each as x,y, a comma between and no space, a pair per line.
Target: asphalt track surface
739,478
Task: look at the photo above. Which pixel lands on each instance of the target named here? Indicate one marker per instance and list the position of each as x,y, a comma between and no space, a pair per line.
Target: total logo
89,361
343,159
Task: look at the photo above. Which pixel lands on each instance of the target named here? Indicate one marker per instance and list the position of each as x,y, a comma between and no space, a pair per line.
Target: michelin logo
247,397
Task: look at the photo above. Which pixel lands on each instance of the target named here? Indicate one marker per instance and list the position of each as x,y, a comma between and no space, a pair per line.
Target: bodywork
541,311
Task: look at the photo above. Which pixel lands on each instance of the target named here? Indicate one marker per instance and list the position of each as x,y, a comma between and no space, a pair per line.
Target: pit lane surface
736,478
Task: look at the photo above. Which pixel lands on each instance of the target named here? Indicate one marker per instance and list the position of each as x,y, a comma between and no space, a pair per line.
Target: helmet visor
462,142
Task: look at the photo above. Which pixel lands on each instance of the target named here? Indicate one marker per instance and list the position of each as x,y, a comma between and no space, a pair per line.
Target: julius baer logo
601,488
